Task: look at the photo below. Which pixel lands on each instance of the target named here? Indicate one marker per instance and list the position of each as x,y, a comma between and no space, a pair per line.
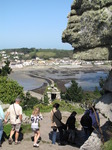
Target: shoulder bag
17,116
53,124
64,126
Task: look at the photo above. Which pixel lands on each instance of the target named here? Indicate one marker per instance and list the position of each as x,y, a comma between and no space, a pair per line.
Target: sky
33,23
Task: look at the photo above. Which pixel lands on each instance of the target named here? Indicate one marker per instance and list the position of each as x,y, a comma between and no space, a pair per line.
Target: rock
99,53
89,29
26,119
5,106
108,83
105,105
93,143
1,103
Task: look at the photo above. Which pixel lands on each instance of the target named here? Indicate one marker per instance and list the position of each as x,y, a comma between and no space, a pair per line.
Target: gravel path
45,143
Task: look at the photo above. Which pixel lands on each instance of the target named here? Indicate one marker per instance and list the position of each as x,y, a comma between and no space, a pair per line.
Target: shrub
9,90
29,101
74,93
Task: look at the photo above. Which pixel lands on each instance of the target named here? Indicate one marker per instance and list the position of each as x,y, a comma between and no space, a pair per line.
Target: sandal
10,141
18,142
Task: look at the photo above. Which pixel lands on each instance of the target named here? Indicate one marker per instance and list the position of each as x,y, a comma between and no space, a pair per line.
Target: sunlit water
88,81
27,82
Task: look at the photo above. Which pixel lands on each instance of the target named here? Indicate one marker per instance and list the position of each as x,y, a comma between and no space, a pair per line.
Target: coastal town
16,62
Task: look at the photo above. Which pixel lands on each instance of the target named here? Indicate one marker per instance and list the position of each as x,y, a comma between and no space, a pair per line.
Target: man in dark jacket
86,122
71,127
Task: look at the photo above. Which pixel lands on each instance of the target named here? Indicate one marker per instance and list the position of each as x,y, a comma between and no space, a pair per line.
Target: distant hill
32,53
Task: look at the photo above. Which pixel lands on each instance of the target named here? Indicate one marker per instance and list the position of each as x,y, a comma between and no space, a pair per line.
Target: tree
5,69
9,90
101,83
74,93
46,99
29,102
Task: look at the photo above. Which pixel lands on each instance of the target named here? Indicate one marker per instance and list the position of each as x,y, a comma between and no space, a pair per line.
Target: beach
36,78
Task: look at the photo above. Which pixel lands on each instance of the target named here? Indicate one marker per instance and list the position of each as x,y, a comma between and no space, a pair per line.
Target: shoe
35,145
61,144
18,142
10,141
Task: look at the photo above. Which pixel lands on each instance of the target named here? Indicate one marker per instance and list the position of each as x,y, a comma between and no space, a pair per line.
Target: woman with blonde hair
35,118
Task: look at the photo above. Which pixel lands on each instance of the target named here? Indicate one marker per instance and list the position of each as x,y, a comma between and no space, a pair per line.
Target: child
35,117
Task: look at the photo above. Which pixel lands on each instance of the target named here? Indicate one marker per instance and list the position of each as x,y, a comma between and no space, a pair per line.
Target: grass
107,145
28,112
64,106
25,128
7,129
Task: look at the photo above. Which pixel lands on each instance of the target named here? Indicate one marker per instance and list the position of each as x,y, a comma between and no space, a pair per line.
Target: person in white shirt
15,114
35,117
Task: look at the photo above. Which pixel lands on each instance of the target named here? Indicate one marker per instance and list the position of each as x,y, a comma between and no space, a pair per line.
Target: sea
87,80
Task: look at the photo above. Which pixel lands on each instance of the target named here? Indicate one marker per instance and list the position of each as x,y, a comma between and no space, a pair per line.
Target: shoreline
76,67
59,74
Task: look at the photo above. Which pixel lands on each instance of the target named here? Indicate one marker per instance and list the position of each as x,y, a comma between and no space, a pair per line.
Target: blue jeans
1,129
54,136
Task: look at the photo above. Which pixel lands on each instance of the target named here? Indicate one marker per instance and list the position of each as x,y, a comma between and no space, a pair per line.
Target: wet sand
59,74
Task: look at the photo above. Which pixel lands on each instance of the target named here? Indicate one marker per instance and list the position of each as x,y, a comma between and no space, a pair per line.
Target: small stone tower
53,93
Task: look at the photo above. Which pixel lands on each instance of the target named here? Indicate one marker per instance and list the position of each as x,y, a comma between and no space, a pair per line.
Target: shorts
16,127
35,130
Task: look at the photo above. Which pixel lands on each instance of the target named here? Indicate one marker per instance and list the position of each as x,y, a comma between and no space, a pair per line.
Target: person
56,118
35,117
53,125
71,127
15,114
1,123
95,117
86,122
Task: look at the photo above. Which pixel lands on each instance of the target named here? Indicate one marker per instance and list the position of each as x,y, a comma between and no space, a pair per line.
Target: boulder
89,29
93,143
105,105
108,83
